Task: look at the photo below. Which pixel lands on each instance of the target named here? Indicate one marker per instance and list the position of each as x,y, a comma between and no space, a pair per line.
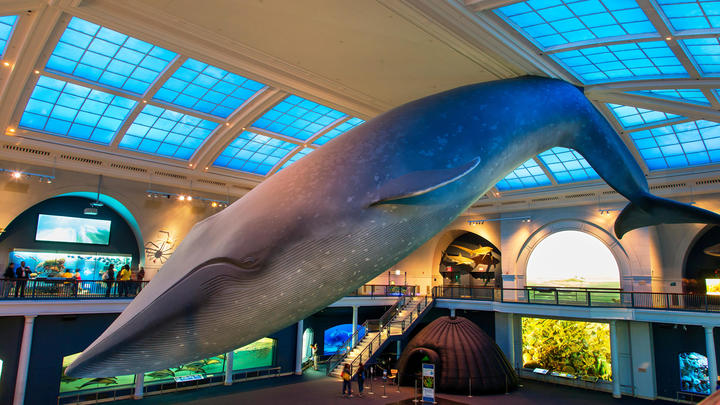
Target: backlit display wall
694,373
56,228
712,286
567,348
337,335
53,264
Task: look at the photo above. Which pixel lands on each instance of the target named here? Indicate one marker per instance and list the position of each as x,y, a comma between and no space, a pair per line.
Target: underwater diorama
337,335
52,264
258,354
694,373
712,286
574,348
55,228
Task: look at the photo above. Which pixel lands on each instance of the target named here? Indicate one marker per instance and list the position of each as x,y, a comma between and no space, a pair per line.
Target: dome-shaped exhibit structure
462,353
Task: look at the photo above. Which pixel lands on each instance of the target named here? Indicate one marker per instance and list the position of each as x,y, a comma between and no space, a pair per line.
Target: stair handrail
343,350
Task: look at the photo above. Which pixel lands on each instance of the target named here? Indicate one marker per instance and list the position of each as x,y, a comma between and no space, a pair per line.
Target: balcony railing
605,298
382,290
19,289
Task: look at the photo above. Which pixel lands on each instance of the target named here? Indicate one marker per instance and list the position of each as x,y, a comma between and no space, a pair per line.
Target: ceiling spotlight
227,124
11,130
189,198
190,164
144,101
37,72
6,64
206,167
213,204
668,38
181,197
16,175
149,195
49,181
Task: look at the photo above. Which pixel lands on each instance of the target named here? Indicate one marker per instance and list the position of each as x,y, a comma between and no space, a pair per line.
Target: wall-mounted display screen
573,348
694,373
45,264
337,335
712,286
55,228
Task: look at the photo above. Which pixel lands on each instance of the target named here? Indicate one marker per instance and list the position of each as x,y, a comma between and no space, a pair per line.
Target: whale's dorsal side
421,182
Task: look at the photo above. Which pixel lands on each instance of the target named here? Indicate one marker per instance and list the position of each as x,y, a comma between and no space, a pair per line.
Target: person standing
76,282
346,377
109,277
21,274
140,277
313,348
361,378
9,279
122,281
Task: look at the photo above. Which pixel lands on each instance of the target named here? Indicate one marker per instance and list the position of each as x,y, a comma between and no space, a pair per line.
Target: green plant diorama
578,348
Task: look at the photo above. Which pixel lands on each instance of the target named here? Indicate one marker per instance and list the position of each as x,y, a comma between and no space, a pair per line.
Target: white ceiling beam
325,130
629,144
546,170
694,111
251,111
481,5
638,85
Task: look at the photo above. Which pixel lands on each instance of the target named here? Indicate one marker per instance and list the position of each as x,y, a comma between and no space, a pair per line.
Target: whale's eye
248,262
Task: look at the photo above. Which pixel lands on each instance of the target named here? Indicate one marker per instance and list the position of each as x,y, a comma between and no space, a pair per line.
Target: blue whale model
340,216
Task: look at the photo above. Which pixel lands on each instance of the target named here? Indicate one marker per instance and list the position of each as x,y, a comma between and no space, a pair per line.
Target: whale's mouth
171,327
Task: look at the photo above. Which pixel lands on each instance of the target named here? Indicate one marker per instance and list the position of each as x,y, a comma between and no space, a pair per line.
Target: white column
452,312
615,359
298,348
511,338
712,359
399,349
229,368
24,361
354,325
139,385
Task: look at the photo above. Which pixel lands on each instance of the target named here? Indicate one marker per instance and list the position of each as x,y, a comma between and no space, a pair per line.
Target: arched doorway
701,273
574,259
470,261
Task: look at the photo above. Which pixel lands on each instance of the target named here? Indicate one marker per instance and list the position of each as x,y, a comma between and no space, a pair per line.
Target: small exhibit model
353,208
465,358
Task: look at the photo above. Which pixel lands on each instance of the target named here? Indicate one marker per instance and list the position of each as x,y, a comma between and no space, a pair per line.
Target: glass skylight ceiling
705,54
298,118
296,157
633,117
692,95
566,165
680,145
73,111
691,14
7,23
339,130
254,153
201,87
166,133
100,55
529,174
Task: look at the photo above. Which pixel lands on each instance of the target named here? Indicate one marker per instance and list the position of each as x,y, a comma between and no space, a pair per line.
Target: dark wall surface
11,329
20,233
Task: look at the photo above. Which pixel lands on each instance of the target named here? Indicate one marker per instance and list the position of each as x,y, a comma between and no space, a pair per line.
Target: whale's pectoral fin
652,210
421,182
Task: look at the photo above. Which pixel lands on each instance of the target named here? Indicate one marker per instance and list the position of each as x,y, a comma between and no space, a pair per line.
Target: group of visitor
15,277
347,379
127,284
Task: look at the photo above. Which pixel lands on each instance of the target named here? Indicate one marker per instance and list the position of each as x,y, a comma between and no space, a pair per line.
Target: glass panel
296,157
564,22
73,111
204,88
167,133
101,55
298,118
258,354
72,384
692,95
642,60
7,24
339,130
254,153
681,145
691,14
634,117
705,54
49,264
566,165
529,174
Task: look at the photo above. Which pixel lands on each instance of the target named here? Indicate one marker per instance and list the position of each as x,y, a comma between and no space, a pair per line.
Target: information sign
428,383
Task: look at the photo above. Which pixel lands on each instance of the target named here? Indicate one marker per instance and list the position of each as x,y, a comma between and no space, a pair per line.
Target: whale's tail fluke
652,210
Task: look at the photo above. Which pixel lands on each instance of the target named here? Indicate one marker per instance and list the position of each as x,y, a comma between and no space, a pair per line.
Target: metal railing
607,298
24,289
384,290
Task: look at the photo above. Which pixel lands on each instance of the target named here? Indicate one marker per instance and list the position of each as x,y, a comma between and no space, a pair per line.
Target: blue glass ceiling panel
681,145
73,111
201,87
7,23
692,95
296,157
623,61
564,22
339,130
566,165
100,55
633,117
529,174
705,54
254,153
166,133
298,118
691,14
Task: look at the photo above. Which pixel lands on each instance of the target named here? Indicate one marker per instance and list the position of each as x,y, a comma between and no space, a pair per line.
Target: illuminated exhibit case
53,263
570,349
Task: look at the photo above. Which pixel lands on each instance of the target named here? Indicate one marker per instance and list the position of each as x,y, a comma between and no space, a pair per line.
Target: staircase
396,322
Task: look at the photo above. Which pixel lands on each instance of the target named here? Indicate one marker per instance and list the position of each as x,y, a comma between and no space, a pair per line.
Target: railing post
632,300
667,301
706,302
587,297
557,298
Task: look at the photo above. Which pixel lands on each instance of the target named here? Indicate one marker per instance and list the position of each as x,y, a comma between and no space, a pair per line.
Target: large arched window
572,259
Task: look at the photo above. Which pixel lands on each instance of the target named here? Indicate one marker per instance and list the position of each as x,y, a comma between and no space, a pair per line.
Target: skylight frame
248,145
287,118
6,34
679,146
567,165
642,117
529,174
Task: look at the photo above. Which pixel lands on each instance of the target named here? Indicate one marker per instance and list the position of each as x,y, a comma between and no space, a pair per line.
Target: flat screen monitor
712,286
55,228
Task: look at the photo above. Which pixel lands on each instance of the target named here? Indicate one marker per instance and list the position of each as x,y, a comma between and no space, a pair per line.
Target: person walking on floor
346,377
361,379
109,277
9,279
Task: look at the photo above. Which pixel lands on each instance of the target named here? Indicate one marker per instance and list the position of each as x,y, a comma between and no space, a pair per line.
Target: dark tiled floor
318,389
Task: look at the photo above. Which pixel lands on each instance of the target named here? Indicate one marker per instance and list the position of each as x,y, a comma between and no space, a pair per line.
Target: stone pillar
399,348
511,338
139,385
354,324
229,368
24,361
452,312
712,359
615,359
298,348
